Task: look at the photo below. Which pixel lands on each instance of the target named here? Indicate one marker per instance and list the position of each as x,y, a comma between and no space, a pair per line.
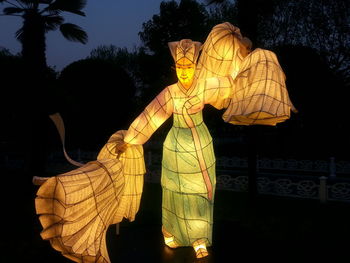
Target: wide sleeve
153,116
76,208
217,90
260,95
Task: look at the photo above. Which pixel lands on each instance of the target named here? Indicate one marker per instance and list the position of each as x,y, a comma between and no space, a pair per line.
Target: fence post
332,167
323,192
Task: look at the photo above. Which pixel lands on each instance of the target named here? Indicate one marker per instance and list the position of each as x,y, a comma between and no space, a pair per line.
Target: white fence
319,179
331,166
315,179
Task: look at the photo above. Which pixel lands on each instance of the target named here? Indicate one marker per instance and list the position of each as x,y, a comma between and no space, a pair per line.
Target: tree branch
13,4
20,4
8,15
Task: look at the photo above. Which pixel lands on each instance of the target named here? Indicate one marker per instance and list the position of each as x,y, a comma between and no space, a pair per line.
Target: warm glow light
170,242
250,85
169,239
200,249
185,70
188,165
259,94
77,207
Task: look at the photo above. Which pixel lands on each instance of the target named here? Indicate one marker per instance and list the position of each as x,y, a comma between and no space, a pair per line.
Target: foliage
131,62
49,13
321,25
120,56
188,19
309,37
4,52
224,12
110,53
19,96
40,17
97,100
312,41
175,21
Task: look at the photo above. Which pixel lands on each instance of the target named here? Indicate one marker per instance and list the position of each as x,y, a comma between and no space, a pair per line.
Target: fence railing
315,179
331,166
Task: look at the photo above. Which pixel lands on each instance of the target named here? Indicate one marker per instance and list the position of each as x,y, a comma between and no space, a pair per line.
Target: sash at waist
179,120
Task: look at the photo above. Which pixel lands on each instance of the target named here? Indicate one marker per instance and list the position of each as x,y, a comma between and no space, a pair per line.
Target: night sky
107,22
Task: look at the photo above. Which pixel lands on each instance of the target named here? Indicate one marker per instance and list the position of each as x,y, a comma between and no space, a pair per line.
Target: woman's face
185,70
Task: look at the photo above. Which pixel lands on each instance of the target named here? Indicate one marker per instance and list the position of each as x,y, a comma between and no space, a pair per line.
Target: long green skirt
187,213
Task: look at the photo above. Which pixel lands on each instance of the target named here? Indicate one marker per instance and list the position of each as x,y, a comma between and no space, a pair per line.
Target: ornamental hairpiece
185,48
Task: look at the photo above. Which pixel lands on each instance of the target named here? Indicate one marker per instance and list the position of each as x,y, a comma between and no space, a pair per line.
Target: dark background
103,93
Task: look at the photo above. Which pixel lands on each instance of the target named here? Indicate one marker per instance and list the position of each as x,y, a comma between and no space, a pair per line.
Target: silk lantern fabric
76,208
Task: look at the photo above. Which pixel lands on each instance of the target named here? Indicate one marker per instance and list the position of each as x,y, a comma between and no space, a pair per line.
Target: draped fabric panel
259,94
76,208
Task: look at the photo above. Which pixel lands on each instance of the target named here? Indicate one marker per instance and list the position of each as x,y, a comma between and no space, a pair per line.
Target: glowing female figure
77,207
188,165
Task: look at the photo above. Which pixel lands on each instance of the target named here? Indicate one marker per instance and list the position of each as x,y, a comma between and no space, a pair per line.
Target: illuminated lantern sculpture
250,85
76,208
259,94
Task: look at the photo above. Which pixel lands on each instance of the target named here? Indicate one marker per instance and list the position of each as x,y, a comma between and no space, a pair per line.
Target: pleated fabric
76,208
187,212
260,95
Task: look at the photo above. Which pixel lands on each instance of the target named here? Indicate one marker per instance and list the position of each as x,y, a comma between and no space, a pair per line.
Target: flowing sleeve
153,116
260,95
217,91
76,208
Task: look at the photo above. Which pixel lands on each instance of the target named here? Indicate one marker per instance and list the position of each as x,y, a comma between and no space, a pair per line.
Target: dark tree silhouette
10,67
175,21
321,25
40,17
97,101
249,15
317,130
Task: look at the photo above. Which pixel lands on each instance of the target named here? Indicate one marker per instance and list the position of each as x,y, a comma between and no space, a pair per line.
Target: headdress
185,48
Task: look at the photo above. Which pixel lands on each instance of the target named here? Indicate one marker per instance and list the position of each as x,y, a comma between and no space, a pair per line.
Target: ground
271,229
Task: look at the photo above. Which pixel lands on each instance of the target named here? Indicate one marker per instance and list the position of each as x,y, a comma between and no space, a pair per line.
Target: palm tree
40,17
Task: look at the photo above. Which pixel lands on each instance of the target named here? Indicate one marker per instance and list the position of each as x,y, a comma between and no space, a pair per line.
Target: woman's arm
153,116
217,90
